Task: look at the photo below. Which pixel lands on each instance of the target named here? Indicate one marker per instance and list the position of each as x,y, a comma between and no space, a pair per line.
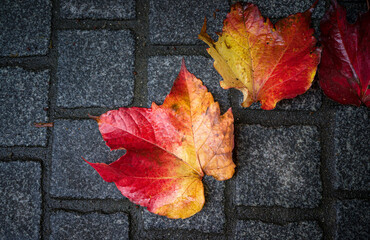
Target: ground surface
302,169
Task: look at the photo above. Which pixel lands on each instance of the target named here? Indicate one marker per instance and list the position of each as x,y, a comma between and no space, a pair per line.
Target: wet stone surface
282,9
95,68
163,70
278,166
20,200
25,27
353,219
23,101
71,176
98,9
76,226
181,24
351,146
292,231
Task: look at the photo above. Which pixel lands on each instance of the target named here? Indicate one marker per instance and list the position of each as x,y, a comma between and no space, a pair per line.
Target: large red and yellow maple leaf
344,72
169,148
266,63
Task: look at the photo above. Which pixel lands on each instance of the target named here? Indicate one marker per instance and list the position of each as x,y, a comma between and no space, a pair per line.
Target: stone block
20,200
95,68
25,27
278,166
23,101
71,176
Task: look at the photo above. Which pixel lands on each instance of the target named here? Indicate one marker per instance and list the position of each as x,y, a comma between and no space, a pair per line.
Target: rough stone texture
282,9
180,23
25,27
354,9
351,144
353,219
309,101
95,68
163,70
210,219
71,176
278,166
20,200
68,225
23,97
293,231
97,9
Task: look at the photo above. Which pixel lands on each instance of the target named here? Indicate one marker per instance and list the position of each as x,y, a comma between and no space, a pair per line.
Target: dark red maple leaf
344,73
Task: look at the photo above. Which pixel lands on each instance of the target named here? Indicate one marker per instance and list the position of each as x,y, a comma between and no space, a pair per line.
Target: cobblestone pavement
302,169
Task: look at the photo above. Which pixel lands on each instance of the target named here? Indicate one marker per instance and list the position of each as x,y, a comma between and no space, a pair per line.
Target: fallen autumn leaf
169,148
344,72
264,62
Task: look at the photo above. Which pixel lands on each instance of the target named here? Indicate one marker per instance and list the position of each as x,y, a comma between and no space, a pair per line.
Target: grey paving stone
278,166
95,68
97,9
20,200
25,27
68,225
309,101
181,22
23,98
351,146
163,70
71,176
353,219
210,219
282,9
293,231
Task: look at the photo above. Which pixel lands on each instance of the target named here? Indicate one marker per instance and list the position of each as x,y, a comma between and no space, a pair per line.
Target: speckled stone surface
20,200
210,219
98,9
163,70
71,176
95,68
278,166
77,226
309,101
180,23
352,148
353,219
354,9
281,9
291,231
23,97
24,27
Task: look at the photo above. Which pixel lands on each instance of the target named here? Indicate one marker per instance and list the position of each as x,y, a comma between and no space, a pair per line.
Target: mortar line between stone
52,57
327,171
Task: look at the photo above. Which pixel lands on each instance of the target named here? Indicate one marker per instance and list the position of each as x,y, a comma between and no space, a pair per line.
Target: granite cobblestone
76,226
278,166
71,176
62,59
293,231
98,9
95,68
23,101
20,200
25,27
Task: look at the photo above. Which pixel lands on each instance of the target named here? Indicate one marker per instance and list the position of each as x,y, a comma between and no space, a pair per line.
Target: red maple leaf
344,73
169,148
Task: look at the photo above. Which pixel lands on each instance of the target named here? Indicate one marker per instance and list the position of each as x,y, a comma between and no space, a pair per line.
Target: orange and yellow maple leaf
169,148
266,63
